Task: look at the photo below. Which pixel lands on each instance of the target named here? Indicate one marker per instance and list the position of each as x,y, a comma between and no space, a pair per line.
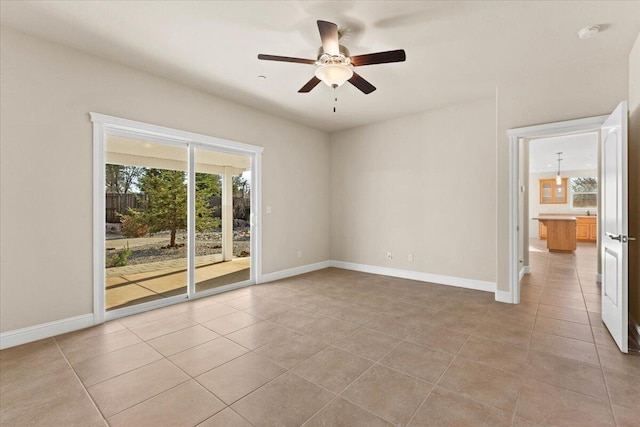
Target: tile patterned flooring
337,347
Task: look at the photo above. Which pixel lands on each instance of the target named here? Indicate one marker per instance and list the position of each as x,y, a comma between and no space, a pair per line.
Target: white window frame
571,193
104,125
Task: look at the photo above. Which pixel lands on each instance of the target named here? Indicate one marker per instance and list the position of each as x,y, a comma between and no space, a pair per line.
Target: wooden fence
119,204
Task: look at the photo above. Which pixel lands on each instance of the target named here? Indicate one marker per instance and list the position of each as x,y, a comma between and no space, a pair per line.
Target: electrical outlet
410,258
268,210
299,254
389,256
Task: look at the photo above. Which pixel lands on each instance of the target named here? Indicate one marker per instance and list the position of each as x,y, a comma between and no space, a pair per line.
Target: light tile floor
336,347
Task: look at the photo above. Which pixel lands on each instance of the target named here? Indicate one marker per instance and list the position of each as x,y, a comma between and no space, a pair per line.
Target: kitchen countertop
556,218
547,215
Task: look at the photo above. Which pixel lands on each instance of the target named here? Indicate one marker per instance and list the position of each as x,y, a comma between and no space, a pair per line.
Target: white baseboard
44,330
524,270
598,278
460,282
504,296
283,274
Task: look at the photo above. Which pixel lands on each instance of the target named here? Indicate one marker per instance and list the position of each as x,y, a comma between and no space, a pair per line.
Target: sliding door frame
104,125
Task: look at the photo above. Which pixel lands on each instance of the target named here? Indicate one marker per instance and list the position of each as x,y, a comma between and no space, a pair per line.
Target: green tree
167,207
240,186
208,184
121,179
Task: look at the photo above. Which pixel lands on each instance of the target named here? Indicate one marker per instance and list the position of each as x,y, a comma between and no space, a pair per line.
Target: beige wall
557,96
46,171
422,184
634,180
373,163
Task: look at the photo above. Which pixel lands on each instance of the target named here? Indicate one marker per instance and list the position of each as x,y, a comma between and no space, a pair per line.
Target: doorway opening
176,216
519,185
559,178
612,221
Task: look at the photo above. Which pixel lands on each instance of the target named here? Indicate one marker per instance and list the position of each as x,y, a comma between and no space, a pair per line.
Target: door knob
620,237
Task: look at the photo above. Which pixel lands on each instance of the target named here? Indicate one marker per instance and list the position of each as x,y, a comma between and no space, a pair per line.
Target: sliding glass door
176,216
222,202
146,245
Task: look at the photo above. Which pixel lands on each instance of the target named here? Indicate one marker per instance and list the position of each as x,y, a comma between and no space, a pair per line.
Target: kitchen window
584,192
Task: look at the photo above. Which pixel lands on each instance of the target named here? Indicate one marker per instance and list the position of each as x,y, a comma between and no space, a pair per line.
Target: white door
614,236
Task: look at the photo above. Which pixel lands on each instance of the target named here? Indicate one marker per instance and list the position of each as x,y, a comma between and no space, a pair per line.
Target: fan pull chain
335,99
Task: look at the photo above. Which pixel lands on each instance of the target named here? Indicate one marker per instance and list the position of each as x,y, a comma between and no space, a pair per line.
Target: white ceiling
456,51
579,152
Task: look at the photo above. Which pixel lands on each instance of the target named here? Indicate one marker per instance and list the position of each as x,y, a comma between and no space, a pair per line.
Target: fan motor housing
343,51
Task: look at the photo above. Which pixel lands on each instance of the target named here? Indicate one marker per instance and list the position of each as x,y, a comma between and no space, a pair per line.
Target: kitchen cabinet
582,231
587,229
542,231
561,233
550,193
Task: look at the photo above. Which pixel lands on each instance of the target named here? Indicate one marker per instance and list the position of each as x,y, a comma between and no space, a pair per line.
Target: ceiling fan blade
285,59
361,83
379,58
330,37
310,85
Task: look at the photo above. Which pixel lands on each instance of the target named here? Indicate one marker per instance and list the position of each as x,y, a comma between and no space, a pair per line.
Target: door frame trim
588,124
103,125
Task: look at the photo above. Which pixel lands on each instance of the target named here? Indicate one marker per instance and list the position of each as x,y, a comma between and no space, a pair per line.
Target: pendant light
558,177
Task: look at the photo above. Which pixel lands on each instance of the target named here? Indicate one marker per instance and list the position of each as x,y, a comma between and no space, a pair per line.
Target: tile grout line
594,344
254,351
167,358
374,363
142,366
525,377
439,378
108,352
190,377
80,381
339,395
604,377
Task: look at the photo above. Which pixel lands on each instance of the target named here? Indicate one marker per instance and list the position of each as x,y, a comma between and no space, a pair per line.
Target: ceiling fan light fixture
588,32
335,63
334,75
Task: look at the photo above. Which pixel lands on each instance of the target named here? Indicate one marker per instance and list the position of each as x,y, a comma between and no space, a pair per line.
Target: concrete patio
134,284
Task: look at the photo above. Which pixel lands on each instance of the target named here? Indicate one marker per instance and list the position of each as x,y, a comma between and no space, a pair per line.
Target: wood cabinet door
550,193
582,231
593,232
546,191
542,231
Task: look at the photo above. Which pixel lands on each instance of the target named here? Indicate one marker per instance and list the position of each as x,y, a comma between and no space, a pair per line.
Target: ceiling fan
335,65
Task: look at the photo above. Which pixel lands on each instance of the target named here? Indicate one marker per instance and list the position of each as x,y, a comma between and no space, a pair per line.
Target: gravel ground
206,244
